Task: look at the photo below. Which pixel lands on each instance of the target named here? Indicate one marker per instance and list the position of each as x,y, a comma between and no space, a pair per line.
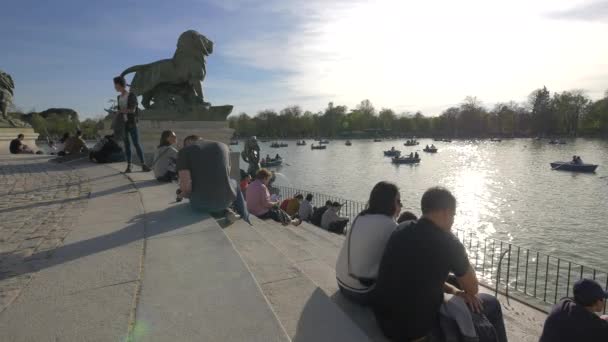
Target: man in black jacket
574,319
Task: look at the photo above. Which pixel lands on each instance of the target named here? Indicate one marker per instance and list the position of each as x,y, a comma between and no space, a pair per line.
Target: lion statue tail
134,68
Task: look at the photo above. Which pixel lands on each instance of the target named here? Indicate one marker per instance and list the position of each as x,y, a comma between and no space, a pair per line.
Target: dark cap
587,292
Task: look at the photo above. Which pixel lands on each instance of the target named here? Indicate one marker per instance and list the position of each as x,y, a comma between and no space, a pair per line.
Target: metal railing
535,278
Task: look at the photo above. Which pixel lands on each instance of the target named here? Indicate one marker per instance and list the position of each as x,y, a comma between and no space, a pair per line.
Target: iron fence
535,278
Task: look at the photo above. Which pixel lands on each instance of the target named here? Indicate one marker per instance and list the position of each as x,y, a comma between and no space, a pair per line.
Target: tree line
54,122
569,113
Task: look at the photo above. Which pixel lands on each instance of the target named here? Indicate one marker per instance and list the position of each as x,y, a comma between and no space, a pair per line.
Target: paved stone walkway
39,201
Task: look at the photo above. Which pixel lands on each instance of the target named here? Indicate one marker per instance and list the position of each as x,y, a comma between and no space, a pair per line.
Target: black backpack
317,215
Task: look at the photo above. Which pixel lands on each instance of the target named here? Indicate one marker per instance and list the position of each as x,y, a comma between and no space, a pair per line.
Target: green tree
543,116
569,107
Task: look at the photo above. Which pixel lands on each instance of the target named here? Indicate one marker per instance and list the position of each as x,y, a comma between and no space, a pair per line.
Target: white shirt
330,216
370,234
123,103
305,212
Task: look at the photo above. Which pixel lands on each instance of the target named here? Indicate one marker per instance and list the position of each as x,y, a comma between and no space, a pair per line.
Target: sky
400,54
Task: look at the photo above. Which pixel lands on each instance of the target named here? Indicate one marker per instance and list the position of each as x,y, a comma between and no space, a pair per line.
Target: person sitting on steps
575,319
293,206
204,177
305,211
333,222
361,252
317,214
411,283
260,204
128,110
165,158
406,216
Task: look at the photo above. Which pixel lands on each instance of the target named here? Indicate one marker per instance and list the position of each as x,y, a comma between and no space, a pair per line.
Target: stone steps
303,309
314,255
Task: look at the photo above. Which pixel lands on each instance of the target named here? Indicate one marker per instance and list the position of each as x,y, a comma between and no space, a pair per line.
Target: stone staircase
140,267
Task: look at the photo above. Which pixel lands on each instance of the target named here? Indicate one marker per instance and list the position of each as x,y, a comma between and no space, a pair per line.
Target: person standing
128,111
575,319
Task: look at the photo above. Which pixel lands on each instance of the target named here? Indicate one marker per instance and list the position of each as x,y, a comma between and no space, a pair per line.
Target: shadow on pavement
139,227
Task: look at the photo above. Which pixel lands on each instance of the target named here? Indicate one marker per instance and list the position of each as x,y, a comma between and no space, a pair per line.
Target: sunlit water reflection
505,190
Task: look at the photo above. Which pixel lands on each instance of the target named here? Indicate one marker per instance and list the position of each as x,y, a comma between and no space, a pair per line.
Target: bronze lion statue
175,81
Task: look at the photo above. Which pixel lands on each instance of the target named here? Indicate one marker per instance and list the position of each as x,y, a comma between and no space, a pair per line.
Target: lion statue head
193,44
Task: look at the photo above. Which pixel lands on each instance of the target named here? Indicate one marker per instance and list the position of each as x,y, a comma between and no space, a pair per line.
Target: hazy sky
406,55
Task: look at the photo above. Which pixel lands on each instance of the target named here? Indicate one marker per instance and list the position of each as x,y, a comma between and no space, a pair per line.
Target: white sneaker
231,216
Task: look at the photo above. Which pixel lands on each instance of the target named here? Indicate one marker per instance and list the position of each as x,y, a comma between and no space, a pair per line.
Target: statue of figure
6,98
174,83
251,155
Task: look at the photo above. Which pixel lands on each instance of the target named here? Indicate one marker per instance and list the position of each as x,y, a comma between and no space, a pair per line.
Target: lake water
505,190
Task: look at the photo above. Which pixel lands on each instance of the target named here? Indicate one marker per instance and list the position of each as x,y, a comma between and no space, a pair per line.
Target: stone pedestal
8,134
150,130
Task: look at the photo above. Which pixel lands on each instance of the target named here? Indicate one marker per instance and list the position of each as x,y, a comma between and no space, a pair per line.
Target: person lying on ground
361,252
259,203
575,319
204,177
411,281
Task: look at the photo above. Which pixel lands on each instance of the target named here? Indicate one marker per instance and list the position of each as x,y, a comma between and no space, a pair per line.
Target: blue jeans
134,133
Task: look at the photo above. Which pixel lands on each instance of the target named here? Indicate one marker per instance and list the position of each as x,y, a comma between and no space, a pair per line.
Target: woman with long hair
359,258
165,157
128,117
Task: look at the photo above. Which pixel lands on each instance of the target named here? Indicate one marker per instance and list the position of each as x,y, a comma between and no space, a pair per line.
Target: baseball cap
587,292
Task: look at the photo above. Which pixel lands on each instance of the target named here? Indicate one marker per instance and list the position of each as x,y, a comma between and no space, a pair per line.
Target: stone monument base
150,131
10,133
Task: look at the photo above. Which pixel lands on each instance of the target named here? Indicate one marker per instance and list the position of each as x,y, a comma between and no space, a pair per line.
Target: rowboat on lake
405,160
392,153
272,162
318,147
570,166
